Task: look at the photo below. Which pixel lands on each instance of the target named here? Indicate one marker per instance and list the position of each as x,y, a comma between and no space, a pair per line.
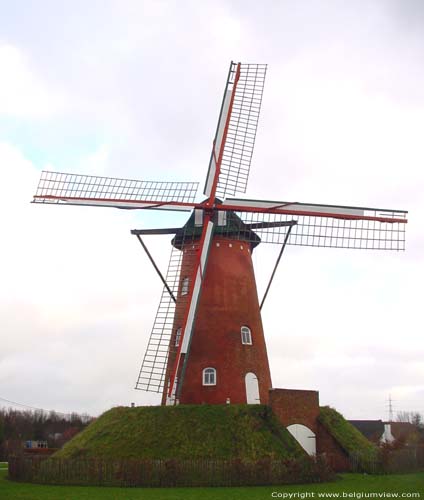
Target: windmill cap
231,227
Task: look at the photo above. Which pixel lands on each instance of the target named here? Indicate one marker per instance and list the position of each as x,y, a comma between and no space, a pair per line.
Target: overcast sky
133,89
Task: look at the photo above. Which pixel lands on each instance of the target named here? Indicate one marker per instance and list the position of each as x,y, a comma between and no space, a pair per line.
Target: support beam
165,230
155,266
293,223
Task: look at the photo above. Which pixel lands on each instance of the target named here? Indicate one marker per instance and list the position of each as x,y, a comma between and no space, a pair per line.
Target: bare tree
411,417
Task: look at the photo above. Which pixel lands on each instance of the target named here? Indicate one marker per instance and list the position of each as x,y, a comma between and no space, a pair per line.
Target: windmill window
209,376
184,286
178,337
246,335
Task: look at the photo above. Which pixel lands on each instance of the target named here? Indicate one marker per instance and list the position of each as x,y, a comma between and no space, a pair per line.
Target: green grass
193,431
349,483
348,437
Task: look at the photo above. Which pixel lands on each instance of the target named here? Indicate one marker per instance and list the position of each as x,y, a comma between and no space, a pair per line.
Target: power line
33,407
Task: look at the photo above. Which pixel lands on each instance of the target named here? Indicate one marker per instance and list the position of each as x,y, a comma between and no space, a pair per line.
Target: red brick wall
336,457
229,301
295,407
302,407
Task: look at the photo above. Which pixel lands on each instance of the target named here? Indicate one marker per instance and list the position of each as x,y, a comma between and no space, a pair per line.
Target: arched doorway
305,437
252,389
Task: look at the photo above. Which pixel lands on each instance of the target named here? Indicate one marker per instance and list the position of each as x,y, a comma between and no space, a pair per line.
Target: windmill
207,343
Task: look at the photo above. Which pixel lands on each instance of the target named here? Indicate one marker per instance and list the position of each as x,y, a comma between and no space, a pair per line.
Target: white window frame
178,336
246,335
206,376
184,286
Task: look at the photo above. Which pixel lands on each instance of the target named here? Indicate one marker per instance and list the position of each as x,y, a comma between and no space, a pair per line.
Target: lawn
348,483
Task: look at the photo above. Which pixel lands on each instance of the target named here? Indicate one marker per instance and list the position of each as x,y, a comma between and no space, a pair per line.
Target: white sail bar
194,297
201,270
314,209
75,189
127,205
220,130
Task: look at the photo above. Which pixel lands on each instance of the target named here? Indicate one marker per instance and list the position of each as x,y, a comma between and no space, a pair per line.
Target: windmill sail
74,189
236,132
199,269
320,225
153,369
170,337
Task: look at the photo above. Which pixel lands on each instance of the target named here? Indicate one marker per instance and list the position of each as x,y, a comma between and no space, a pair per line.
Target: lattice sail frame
365,232
241,135
163,343
236,130
59,188
153,368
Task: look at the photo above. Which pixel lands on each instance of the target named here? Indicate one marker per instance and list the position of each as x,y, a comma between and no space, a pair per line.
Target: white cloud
23,93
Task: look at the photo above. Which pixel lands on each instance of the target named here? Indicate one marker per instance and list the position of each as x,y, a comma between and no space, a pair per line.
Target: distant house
35,444
380,432
37,447
371,429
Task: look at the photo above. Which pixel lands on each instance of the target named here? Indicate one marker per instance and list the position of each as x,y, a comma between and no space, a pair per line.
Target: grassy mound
348,437
184,431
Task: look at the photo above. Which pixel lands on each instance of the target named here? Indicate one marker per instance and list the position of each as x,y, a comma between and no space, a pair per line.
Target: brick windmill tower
207,344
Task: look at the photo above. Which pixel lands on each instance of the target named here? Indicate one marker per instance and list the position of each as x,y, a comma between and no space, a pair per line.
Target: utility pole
390,408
